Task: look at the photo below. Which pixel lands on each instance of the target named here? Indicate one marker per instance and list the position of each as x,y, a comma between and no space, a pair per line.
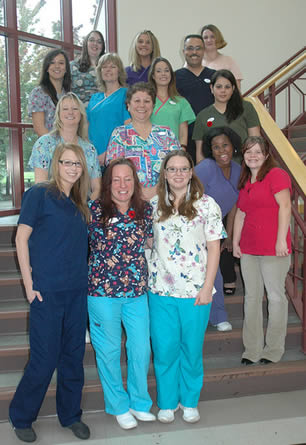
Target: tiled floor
273,419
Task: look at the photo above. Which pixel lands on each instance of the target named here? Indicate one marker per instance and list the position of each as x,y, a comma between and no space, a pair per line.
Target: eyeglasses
68,164
95,41
194,48
173,170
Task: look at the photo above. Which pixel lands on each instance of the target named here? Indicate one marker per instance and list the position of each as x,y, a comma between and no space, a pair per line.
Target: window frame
13,36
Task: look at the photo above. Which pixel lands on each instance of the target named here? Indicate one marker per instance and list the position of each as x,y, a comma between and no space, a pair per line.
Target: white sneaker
126,421
224,326
166,415
143,415
190,415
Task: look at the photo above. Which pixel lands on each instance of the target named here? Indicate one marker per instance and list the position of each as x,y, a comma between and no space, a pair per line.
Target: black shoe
246,361
80,430
229,290
265,361
25,434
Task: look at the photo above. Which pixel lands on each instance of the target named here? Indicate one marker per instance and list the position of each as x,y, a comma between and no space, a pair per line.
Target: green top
172,113
210,117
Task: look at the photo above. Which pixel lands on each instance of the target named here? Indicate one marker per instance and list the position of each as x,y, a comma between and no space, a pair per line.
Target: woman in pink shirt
262,241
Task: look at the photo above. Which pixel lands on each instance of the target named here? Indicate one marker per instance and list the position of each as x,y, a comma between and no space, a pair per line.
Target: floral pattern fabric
83,84
177,266
43,149
41,101
117,263
147,154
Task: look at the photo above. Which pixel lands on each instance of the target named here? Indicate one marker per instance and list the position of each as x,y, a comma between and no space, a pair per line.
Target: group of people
159,259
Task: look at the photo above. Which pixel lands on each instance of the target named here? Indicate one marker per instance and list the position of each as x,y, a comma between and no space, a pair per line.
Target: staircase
297,137
225,377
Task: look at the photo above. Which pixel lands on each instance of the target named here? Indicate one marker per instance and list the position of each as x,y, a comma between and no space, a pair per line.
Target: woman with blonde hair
106,109
213,41
145,48
187,228
70,127
52,247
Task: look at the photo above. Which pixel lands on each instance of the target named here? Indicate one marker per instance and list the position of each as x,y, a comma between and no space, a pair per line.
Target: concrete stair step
224,378
14,349
7,235
299,144
298,131
8,259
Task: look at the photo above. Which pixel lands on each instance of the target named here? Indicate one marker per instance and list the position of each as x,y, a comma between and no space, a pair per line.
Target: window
28,29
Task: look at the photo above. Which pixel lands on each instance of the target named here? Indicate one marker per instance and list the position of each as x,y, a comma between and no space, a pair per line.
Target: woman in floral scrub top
121,223
187,230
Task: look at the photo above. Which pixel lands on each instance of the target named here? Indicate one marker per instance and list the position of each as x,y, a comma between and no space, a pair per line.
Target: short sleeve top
224,191
257,201
137,76
58,244
210,117
43,149
172,113
83,84
112,111
41,101
223,62
177,266
147,155
117,263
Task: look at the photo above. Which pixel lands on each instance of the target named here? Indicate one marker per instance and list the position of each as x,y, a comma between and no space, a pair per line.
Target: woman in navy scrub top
52,246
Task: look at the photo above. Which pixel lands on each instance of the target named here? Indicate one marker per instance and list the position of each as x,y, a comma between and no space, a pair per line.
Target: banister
277,76
279,140
257,85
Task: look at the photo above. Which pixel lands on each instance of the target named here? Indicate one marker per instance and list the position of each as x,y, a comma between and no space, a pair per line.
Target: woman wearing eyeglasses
83,69
187,228
52,247
70,127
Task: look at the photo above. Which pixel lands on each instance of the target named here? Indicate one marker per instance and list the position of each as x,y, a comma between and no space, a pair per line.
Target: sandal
229,290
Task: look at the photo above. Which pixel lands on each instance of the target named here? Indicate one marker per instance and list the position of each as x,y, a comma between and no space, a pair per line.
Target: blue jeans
105,318
177,332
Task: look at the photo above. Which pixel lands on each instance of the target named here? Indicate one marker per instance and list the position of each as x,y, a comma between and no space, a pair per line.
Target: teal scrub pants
177,333
105,318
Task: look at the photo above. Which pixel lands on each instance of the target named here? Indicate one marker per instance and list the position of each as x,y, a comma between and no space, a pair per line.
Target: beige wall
261,34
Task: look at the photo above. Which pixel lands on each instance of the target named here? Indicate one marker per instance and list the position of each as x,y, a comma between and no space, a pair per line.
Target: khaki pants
269,272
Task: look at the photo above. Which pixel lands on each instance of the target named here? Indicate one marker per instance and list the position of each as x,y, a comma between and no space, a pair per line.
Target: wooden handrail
258,84
277,76
283,146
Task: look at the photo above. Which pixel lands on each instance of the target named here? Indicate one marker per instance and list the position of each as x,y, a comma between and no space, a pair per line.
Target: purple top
137,76
224,191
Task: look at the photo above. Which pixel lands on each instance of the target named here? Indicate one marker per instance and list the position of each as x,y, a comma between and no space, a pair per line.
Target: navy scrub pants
57,340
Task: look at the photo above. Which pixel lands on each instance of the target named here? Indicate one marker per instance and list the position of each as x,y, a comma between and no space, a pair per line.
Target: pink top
223,62
257,201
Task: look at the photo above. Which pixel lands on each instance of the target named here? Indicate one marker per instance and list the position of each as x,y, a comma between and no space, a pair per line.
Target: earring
187,196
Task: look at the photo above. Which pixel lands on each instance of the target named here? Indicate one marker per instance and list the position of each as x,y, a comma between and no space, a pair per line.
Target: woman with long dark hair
52,247
263,244
228,110
83,69
55,81
121,223
182,269
171,109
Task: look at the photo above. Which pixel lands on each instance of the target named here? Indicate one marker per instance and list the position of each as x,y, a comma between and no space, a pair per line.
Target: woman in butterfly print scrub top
185,256
170,108
228,110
